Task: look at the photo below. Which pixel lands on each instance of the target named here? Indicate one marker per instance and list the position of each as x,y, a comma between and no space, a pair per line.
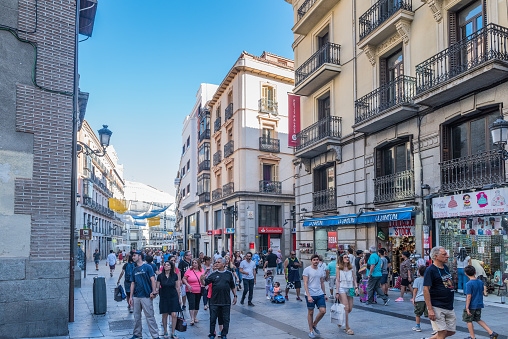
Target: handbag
181,324
202,289
352,292
338,314
119,294
362,269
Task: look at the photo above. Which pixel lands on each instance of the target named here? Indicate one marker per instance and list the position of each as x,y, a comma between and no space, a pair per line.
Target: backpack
129,269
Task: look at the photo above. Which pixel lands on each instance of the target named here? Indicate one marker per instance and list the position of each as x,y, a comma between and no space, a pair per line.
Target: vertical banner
293,119
332,241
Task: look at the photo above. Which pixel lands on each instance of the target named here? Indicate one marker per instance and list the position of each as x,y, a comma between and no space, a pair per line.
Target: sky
145,61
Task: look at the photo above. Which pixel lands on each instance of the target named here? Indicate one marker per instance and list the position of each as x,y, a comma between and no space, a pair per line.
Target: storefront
270,237
397,237
229,234
478,222
217,240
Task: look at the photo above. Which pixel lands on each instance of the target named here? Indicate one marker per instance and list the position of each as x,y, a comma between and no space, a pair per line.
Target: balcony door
324,178
391,68
472,137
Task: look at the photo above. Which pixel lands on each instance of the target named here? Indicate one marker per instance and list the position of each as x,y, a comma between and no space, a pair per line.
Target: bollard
100,302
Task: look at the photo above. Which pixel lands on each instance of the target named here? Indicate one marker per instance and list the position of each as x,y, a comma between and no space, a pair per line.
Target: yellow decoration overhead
119,206
154,221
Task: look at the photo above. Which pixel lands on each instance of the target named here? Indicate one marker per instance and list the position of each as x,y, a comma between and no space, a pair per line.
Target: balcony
266,186
268,106
216,194
217,158
384,19
216,125
229,148
473,171
319,69
228,189
310,13
394,187
204,198
324,200
228,112
475,62
269,145
316,138
203,113
204,135
204,166
387,105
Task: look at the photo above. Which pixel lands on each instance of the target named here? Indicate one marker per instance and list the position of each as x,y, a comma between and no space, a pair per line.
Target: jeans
463,279
248,285
239,276
279,268
222,313
374,284
205,298
145,304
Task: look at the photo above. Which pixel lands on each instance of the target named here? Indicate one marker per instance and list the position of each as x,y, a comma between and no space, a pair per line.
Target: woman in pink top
193,288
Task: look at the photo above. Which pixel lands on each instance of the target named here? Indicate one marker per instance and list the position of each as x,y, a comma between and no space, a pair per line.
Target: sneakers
268,297
242,301
417,329
312,335
387,301
286,297
399,299
251,304
316,330
494,335
298,298
434,332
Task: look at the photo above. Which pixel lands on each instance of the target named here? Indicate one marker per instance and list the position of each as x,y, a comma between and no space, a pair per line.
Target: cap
333,257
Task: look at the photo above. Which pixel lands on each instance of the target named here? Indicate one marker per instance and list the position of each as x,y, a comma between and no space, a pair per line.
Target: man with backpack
375,274
127,270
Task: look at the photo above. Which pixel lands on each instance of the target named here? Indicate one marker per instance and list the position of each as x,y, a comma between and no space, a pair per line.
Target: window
465,22
268,93
188,165
183,149
204,152
394,159
204,124
183,171
204,183
269,216
218,220
188,142
267,134
268,174
217,112
188,189
183,192
324,178
324,107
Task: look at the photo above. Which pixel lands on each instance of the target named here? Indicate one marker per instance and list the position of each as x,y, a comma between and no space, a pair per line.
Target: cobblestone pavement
266,320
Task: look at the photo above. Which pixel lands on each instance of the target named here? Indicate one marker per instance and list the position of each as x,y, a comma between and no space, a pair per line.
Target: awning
369,217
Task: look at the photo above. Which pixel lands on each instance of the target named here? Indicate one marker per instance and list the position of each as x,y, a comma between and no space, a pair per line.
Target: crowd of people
181,281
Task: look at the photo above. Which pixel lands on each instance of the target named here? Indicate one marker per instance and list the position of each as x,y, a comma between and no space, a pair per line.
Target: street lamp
104,137
499,132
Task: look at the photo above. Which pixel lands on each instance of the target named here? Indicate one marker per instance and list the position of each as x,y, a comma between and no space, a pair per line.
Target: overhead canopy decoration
138,209
154,221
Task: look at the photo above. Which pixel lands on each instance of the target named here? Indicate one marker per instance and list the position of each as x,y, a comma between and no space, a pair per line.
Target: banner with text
293,119
469,204
402,228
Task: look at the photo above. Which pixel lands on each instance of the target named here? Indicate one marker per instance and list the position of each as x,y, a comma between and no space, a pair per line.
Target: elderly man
375,276
438,290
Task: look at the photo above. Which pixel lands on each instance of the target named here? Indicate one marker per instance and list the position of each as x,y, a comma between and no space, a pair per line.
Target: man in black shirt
220,303
271,261
359,256
183,266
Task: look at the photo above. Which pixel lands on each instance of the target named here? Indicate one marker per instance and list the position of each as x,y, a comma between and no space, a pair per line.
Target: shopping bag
181,324
119,294
338,314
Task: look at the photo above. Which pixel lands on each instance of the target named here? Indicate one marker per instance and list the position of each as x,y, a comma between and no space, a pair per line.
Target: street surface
271,321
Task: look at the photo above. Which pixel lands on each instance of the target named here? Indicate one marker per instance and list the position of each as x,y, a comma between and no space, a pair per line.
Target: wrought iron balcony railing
217,194
304,8
229,148
268,106
204,198
488,43
393,187
228,113
324,200
328,54
473,171
228,189
330,126
204,135
217,124
217,158
204,166
379,13
399,91
267,186
203,112
269,145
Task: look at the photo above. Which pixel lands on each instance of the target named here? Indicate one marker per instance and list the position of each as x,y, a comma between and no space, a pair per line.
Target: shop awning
369,217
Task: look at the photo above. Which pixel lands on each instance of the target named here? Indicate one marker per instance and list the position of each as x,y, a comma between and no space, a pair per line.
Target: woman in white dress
347,286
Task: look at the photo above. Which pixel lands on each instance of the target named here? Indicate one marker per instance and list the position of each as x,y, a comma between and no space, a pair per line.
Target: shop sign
293,119
229,231
402,228
332,240
251,246
365,218
217,232
209,232
197,235
474,203
85,234
262,230
250,214
293,230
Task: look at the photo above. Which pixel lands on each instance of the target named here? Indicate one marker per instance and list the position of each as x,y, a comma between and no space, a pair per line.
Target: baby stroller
276,297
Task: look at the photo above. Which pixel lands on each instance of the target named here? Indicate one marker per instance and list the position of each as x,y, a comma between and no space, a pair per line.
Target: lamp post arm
85,149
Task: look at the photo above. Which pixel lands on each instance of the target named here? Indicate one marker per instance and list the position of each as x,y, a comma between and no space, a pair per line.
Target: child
418,299
268,283
474,303
276,288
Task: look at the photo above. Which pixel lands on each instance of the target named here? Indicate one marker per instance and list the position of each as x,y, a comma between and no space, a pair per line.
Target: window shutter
445,143
379,162
382,71
452,38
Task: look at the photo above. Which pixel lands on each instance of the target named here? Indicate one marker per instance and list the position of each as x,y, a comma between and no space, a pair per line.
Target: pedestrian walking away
314,285
143,291
223,284
194,288
232,268
248,269
128,273
374,278
347,287
149,261
461,261
256,259
292,275
207,268
96,259
183,266
279,262
271,261
418,299
237,260
330,275
405,274
111,262
168,288
384,270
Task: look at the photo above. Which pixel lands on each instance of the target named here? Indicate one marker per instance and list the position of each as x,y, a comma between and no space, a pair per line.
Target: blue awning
376,216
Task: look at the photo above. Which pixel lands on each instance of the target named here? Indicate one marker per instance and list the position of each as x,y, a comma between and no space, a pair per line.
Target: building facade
412,90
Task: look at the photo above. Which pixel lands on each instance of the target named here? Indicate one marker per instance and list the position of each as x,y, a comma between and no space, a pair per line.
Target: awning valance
376,216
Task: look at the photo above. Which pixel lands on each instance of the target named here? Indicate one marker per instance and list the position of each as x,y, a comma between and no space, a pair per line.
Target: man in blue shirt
374,274
142,295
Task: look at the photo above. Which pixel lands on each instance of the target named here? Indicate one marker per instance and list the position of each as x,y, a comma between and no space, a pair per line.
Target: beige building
247,192
396,102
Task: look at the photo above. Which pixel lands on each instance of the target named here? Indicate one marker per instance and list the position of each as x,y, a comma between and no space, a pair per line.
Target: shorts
182,290
111,267
291,285
384,279
331,282
476,315
421,308
193,299
318,301
404,282
344,290
445,320
96,262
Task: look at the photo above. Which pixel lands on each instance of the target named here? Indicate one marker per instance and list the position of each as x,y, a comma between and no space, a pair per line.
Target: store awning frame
370,217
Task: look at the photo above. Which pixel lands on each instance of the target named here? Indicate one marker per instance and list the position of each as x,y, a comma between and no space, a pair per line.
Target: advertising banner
332,240
262,230
468,204
293,119
402,228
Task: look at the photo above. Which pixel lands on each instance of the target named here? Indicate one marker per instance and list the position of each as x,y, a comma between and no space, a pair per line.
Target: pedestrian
201,257
292,275
461,261
364,295
268,284
271,261
330,274
480,273
149,261
314,285
193,288
207,268
256,259
359,256
405,274
374,276
127,271
166,255
418,299
143,291
232,268
120,256
438,292
248,269
347,287
384,270
474,303
351,258
237,260
183,266
111,262
96,259
222,282
279,262
322,266
158,260
168,287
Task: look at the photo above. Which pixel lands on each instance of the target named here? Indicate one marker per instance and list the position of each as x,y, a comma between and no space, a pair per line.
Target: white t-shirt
314,282
249,268
462,264
322,268
158,259
111,259
216,256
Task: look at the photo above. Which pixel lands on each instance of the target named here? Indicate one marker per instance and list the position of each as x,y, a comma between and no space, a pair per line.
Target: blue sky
145,61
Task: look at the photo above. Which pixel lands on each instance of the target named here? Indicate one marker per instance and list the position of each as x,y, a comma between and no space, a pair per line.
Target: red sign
251,246
209,232
262,230
293,119
217,232
402,223
402,228
332,240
